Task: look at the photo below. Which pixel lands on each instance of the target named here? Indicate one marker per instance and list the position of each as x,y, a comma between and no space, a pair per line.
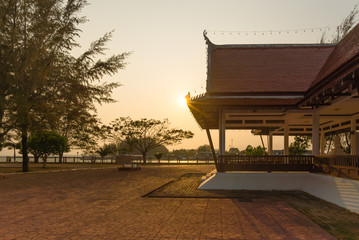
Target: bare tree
343,29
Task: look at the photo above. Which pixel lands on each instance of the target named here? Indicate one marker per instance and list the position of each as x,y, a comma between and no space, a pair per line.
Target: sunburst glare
182,101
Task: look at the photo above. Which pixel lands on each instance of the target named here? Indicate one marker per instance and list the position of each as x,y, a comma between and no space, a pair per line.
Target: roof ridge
275,45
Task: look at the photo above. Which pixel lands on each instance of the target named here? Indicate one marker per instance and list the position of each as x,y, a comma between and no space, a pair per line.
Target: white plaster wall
340,191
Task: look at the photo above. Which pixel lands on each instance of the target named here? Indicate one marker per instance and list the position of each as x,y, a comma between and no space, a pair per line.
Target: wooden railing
346,166
264,163
93,159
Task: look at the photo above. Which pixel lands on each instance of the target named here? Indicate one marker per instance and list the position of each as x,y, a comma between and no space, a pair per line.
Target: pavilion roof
276,68
344,52
276,77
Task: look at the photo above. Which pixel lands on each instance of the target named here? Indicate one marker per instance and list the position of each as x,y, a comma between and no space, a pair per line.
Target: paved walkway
108,204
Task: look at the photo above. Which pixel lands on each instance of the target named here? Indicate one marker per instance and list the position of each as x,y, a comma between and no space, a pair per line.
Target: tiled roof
343,52
265,68
254,101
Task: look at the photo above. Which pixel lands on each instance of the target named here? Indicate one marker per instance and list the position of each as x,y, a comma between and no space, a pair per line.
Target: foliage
125,149
254,150
161,149
344,28
13,145
87,135
34,36
41,85
184,153
158,155
42,144
146,134
106,149
204,148
345,141
300,145
234,151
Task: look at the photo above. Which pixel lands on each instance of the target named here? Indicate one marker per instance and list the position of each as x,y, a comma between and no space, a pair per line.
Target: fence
55,159
340,166
346,166
264,163
93,159
175,161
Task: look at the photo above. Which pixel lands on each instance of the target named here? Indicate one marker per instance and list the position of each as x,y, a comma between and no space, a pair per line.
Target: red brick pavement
108,204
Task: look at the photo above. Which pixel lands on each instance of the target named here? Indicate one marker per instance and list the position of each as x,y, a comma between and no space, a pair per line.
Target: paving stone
107,204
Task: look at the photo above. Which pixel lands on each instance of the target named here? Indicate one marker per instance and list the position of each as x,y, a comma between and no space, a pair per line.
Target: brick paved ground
108,204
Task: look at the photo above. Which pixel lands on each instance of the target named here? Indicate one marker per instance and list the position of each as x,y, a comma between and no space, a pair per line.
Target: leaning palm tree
106,150
14,146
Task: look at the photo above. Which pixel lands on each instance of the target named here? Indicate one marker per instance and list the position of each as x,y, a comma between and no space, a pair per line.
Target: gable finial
208,42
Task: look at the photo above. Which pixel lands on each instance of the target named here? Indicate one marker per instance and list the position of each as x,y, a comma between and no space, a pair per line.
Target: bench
126,162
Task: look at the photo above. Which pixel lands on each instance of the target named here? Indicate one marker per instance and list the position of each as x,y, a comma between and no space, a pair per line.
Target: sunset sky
169,51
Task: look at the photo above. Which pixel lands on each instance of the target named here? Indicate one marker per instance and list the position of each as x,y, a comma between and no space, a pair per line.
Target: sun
182,101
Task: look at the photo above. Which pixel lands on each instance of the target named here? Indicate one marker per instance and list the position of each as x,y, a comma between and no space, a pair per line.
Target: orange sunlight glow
182,101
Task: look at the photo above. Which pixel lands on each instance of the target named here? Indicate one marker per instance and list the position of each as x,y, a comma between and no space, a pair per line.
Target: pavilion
287,90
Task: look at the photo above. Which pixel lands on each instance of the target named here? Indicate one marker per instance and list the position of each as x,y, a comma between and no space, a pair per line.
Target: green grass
339,222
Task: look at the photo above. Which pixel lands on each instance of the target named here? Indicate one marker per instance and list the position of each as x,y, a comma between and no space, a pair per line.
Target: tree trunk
25,156
44,160
144,158
14,154
36,158
60,157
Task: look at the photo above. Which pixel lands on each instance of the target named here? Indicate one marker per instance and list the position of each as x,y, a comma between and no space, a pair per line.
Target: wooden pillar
286,138
354,138
270,143
315,132
211,145
222,132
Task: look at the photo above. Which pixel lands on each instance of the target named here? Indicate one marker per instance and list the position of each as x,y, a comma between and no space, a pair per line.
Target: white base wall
340,191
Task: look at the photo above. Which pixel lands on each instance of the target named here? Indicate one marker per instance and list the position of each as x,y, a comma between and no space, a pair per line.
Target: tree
35,34
105,150
43,144
39,77
343,29
300,145
203,149
254,150
158,155
160,149
14,146
234,151
184,153
345,140
34,146
6,73
146,134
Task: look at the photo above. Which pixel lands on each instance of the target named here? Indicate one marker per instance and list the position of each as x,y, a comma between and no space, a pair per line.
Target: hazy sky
169,52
